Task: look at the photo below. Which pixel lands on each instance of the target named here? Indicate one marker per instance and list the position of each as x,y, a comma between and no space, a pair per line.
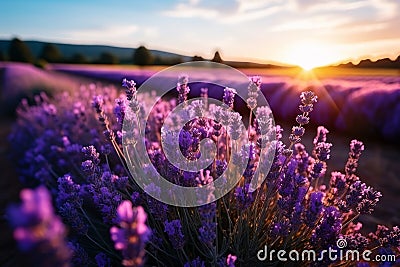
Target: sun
309,55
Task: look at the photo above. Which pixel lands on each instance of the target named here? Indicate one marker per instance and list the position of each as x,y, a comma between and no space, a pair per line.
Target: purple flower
298,131
386,237
302,120
322,151
338,182
301,157
130,90
318,169
208,229
106,201
157,209
197,262
182,88
174,232
119,110
79,255
328,229
321,135
97,103
230,260
90,153
308,98
131,235
72,216
361,198
38,231
229,96
356,241
280,229
244,198
356,147
87,166
315,209
253,89
102,260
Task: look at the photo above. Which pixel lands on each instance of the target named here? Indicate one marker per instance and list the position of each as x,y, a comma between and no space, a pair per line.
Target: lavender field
364,102
334,173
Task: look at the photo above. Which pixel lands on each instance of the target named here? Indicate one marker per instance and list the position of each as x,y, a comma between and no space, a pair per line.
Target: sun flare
309,55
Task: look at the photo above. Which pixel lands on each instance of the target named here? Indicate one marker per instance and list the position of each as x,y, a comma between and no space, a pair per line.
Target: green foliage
142,56
51,53
20,52
78,58
2,56
108,58
197,58
41,63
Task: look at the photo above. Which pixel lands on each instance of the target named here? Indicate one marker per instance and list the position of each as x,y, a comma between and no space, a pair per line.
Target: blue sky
280,30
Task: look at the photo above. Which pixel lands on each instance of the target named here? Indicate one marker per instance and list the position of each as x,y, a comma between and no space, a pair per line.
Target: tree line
19,51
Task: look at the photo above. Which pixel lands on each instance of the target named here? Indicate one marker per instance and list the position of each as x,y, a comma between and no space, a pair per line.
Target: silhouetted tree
79,58
142,56
197,58
217,57
19,51
108,58
51,53
2,56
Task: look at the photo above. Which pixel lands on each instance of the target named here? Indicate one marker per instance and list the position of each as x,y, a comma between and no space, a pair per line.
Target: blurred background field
353,104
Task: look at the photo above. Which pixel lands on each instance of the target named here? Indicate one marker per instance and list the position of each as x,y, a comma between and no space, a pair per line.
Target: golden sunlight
309,55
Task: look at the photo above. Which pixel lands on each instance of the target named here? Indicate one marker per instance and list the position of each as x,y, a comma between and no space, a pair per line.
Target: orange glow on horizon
311,54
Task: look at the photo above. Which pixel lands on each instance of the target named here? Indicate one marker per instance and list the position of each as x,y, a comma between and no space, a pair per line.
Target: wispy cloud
312,23
232,12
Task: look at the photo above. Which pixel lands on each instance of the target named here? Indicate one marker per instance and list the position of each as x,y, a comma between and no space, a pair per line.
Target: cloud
226,13
311,23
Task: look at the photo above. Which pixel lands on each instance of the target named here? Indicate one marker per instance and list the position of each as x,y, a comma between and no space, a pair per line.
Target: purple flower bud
321,135
174,232
302,120
230,260
38,231
308,98
306,108
315,209
197,262
102,260
323,150
130,90
132,234
229,96
298,131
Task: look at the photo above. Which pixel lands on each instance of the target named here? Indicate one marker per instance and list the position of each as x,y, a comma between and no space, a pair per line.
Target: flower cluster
72,144
132,234
39,232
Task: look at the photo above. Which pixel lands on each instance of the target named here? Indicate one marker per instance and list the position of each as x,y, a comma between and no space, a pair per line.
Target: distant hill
380,63
124,54
92,52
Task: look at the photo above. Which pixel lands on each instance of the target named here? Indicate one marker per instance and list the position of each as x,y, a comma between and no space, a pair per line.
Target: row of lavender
72,145
361,104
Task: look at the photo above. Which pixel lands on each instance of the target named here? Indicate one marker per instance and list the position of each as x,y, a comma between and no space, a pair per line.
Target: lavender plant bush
72,145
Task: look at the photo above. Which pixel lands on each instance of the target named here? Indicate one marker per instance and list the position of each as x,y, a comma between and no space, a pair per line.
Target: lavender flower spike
130,86
38,231
230,260
229,96
132,234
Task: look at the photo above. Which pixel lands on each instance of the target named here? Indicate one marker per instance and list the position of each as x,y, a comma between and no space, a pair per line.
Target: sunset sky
292,31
